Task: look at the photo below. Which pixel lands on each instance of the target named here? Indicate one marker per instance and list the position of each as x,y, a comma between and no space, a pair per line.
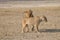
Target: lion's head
28,13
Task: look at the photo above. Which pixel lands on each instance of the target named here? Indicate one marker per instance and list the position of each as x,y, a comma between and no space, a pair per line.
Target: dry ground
10,24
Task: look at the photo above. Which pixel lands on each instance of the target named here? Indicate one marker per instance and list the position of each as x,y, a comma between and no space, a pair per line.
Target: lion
31,20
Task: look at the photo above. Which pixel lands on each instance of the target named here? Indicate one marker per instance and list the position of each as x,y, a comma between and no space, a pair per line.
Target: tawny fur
30,20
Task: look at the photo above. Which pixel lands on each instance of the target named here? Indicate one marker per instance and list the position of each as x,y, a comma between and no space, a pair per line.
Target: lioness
31,20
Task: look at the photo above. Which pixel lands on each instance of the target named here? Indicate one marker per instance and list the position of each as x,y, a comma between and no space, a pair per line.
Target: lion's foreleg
23,27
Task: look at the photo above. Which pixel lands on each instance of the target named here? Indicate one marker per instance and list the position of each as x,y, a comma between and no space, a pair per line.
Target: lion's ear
31,11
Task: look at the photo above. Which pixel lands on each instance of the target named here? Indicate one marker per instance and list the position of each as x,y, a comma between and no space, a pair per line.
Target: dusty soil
10,24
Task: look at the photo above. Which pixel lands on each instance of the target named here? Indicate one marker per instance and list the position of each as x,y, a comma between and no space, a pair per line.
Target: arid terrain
10,24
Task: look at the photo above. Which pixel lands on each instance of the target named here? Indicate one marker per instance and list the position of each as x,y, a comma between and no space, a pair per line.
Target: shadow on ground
49,30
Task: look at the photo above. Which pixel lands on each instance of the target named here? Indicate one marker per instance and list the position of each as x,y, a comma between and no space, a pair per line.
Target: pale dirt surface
10,24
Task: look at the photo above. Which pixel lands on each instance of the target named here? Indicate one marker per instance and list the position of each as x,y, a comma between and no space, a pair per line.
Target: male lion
30,20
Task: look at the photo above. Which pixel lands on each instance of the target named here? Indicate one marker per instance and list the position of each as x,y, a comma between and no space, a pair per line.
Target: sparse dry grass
10,21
